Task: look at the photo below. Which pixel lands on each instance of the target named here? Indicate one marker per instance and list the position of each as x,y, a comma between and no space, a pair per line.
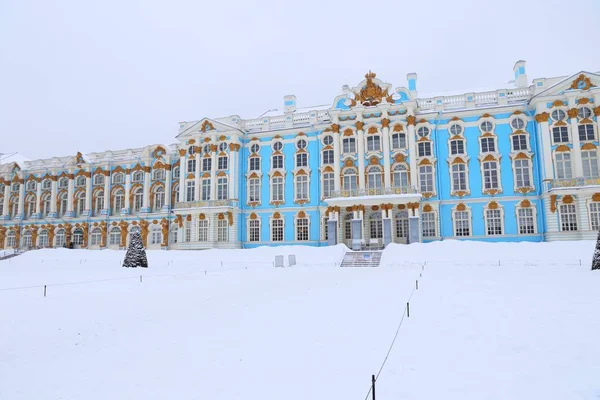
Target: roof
13,157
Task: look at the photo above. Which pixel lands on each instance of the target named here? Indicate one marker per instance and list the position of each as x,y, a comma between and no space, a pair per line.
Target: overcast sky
91,76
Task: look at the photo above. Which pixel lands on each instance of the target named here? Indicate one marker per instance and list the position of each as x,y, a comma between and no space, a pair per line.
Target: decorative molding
543,117
582,82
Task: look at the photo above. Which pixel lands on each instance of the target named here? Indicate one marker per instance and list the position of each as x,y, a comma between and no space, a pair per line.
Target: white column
336,158
146,199
182,174
213,170
576,153
21,204
167,204
107,204
412,150
70,191
53,193
546,144
361,155
38,199
88,194
197,176
232,170
6,199
127,190
387,171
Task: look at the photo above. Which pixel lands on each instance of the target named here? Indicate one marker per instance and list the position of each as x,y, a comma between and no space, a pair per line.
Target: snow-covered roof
13,157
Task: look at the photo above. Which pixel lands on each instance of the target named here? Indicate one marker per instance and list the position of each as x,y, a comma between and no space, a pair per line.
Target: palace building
377,165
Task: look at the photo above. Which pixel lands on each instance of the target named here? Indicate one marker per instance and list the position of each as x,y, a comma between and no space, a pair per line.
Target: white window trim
560,217
497,159
281,218
502,223
296,218
436,223
555,163
514,174
248,220
271,198
535,225
433,180
453,190
296,199
588,204
248,201
470,213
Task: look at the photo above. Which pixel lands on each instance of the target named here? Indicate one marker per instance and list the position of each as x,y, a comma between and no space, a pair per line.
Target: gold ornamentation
492,205
458,160
276,215
572,113
348,132
543,117
372,130
372,94
461,207
596,197
400,158
144,230
164,227
558,103
191,141
401,206
206,126
398,128
359,125
103,234
385,122
460,193
489,157
413,207
553,203
582,82
562,147
524,189
335,128
588,146
427,208
568,199
374,161
425,161
188,217
597,111
179,220
411,120
182,152
584,100
525,203
123,225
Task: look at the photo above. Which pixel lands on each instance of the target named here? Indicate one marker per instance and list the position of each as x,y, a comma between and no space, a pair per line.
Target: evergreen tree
596,260
136,255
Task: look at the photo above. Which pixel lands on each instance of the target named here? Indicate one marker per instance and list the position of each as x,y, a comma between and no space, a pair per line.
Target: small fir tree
596,260
136,255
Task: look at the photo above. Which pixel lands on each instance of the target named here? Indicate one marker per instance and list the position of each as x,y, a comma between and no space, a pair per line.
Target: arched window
118,178
62,204
401,224
376,226
155,234
350,179
400,176
78,236
118,201
138,176
59,238
11,240
114,238
99,179
80,181
29,206
14,205
31,185
176,173
45,204
138,199
99,202
80,203
374,177
27,239
159,198
63,183
43,238
158,174
46,184
96,237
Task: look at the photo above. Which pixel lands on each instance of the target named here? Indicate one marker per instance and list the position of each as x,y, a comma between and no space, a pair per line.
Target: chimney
289,103
520,74
412,83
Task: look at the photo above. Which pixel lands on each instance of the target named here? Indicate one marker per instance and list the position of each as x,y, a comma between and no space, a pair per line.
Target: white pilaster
576,153
146,198
361,158
412,150
6,200
182,174
387,172
213,170
127,190
107,192
70,190
38,199
546,141
53,193
167,204
336,160
232,172
88,195
197,175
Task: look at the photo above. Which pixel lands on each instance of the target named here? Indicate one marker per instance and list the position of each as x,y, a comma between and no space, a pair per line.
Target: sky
94,76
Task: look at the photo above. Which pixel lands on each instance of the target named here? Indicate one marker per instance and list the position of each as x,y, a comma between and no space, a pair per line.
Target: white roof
13,157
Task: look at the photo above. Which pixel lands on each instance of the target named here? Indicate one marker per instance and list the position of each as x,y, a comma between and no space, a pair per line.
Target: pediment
206,126
370,92
580,81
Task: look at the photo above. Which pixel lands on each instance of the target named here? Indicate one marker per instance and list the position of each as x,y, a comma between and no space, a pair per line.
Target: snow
490,320
13,157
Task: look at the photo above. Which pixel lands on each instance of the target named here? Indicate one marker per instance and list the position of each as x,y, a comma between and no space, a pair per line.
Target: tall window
222,192
78,237
519,142
327,157
176,173
277,230
222,230
60,237
114,238
118,201
301,160
155,235
349,145
191,166
302,229
43,238
29,206
525,221
47,184
277,188
173,234
350,179
190,187
96,237
586,132
398,140
254,230
373,143
402,224
302,187
493,220
206,164
428,224
563,166
80,203
254,164
424,149
158,174
138,176
457,147
488,145
426,178
11,239
328,184
99,205
590,163
374,178
459,177
277,161
595,215
205,192
462,225
138,199
27,239
560,134
523,178
568,217
62,204
400,176
348,226
159,198
203,230
254,190
376,226
222,162
63,183
80,181
490,175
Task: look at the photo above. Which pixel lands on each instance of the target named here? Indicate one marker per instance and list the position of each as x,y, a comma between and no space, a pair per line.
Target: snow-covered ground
489,321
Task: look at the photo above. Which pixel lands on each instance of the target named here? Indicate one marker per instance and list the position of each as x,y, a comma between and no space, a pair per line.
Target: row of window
493,219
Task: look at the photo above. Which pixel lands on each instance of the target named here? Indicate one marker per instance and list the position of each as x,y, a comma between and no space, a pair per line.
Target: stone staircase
361,259
6,255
